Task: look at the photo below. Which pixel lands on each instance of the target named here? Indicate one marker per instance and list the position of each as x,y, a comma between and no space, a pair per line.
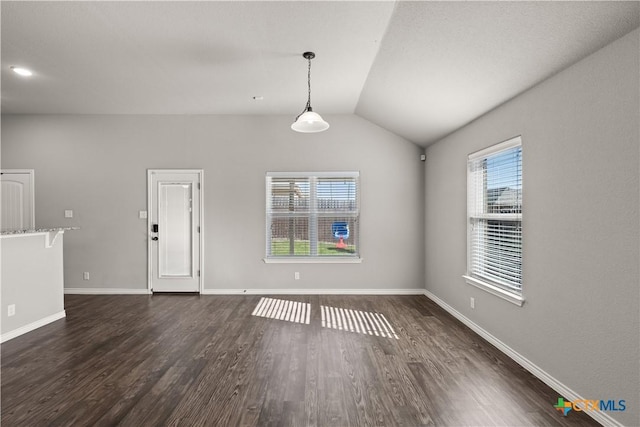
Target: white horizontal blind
305,211
495,215
288,208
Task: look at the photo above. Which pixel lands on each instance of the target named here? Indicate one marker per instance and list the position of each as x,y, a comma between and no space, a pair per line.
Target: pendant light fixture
308,121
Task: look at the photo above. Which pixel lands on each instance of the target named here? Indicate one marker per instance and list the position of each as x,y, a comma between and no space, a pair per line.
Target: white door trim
32,188
200,173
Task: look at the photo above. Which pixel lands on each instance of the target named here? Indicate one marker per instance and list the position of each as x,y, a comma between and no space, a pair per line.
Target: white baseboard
313,292
124,291
32,326
563,390
106,291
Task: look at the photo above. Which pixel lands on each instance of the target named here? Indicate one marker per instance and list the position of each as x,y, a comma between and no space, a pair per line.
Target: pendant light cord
308,106
309,85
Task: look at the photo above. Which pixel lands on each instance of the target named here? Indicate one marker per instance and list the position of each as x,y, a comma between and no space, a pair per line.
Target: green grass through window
281,247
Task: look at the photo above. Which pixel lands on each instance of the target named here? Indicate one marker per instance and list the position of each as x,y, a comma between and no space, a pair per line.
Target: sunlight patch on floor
361,322
279,309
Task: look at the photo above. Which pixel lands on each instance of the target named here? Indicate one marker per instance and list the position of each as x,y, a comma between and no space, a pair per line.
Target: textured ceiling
418,69
187,57
443,64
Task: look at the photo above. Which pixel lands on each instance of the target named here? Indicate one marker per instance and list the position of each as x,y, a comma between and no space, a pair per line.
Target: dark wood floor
206,361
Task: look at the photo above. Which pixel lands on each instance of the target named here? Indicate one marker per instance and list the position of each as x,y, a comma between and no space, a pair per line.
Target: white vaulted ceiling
418,69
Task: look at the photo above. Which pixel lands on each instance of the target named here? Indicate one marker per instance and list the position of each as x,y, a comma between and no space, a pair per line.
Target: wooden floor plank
206,360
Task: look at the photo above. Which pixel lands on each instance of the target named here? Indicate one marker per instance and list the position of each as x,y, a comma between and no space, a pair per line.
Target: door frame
32,188
200,193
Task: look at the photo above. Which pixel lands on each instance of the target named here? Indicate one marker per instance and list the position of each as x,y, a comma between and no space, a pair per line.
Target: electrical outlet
68,213
85,275
472,302
296,275
11,310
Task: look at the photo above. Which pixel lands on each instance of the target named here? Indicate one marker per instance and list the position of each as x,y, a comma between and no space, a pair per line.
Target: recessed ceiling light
22,71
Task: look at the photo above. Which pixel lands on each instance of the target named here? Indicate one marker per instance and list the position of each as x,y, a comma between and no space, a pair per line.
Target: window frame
313,215
484,283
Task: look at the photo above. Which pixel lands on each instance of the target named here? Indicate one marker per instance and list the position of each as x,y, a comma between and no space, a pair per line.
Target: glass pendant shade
309,122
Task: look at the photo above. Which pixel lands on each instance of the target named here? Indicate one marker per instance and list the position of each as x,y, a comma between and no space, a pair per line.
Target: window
494,210
312,217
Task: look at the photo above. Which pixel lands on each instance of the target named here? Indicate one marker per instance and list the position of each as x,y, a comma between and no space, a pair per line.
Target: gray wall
96,165
28,269
580,132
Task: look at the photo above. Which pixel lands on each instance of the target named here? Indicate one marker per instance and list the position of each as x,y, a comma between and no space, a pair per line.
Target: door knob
154,238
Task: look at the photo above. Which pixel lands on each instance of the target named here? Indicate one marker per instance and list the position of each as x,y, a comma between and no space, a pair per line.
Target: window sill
312,260
501,293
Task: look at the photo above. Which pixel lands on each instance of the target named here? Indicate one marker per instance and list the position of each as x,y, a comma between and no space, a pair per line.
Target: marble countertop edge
36,230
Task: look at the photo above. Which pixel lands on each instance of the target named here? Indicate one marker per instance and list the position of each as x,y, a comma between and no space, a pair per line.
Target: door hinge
198,273
198,186
198,229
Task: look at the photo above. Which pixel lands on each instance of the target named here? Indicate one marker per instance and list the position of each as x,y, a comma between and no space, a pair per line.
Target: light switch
68,213
142,214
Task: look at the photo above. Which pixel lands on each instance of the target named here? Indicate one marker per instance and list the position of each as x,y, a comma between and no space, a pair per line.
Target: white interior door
175,230
17,212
